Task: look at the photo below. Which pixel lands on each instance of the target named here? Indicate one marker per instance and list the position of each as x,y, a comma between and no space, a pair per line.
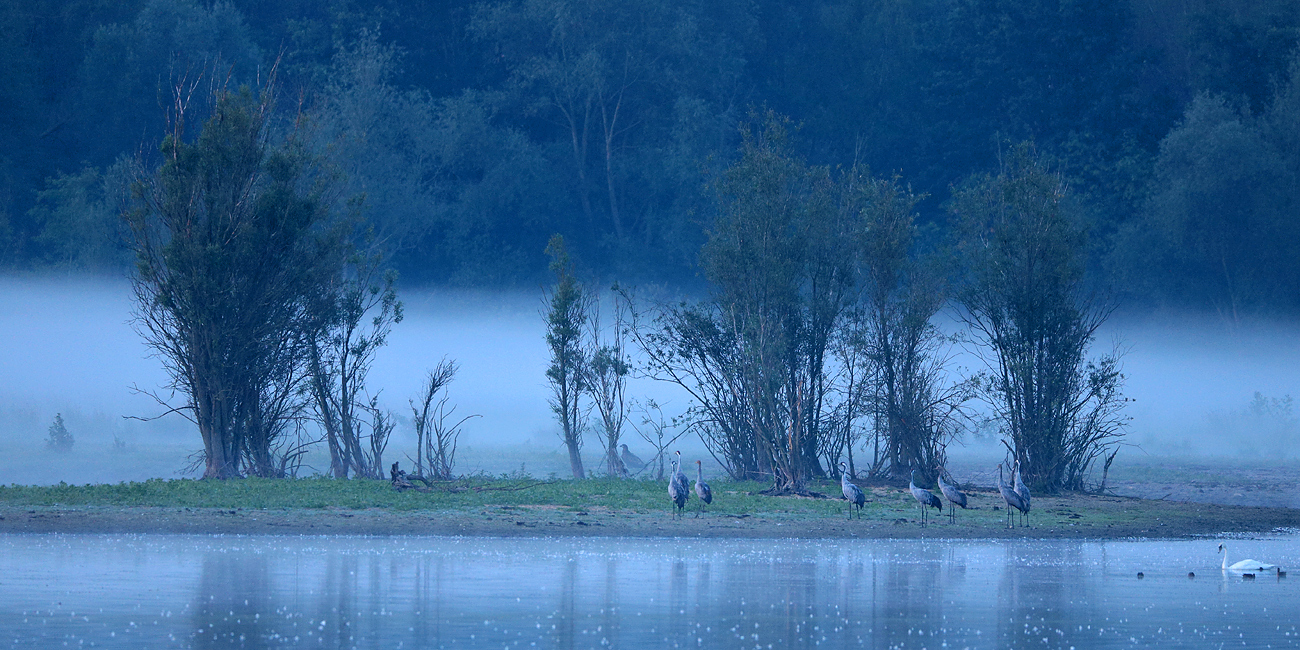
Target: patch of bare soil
1200,481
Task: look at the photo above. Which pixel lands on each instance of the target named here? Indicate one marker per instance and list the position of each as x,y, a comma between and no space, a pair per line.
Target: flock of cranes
678,491
1015,494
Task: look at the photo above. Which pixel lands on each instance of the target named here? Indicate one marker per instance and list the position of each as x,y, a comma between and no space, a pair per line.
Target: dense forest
474,131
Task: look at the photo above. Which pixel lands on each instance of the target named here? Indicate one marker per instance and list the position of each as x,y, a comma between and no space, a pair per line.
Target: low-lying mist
1200,387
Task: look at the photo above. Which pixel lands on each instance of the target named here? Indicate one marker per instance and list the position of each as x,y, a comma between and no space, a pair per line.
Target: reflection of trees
233,600
910,597
337,604
428,599
1030,598
567,611
678,598
612,611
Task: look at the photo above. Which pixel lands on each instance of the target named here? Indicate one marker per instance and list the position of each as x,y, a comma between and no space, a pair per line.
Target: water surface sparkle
179,591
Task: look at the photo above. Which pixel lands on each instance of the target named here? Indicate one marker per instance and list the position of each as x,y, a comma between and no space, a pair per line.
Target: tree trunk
575,458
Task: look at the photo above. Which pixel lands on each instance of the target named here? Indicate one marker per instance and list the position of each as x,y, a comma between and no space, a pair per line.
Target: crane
851,492
678,491
953,495
701,488
1022,491
924,497
1009,495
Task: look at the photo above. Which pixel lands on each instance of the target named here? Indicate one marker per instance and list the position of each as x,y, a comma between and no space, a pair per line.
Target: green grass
628,496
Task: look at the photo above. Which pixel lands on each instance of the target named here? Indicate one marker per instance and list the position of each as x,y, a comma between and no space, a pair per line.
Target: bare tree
437,433
659,432
606,384
353,319
382,423
914,407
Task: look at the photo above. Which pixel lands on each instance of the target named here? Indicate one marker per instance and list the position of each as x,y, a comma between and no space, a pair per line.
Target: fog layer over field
68,348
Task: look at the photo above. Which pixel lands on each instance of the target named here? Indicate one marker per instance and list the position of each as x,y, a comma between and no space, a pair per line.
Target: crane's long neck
699,472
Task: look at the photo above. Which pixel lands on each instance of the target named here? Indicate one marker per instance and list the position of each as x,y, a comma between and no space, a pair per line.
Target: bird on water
701,488
1009,495
851,491
924,497
1244,565
952,494
678,490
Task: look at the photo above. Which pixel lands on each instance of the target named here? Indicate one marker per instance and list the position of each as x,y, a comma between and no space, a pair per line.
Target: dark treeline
476,130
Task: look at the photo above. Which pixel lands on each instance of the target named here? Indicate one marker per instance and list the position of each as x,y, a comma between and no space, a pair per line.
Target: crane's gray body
851,492
678,490
1022,491
701,488
953,495
924,497
1009,495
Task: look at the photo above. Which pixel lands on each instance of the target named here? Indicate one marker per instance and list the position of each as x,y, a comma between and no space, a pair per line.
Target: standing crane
851,492
1009,495
1022,491
701,488
953,495
924,497
678,490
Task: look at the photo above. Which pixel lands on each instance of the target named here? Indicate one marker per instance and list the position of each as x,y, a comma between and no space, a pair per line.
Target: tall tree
353,315
566,314
229,237
914,410
1026,305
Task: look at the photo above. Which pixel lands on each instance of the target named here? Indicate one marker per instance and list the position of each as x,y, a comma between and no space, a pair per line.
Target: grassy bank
523,506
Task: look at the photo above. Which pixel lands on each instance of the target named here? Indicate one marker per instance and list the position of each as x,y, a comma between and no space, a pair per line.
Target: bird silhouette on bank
701,488
851,492
954,496
678,490
631,461
1009,495
924,497
1022,491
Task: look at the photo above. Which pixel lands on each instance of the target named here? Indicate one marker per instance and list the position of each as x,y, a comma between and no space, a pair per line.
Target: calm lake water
177,591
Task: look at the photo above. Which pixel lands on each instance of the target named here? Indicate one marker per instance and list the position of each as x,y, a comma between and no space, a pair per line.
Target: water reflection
270,592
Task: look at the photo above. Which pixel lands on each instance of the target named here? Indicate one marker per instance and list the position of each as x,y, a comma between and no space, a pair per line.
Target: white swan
1244,565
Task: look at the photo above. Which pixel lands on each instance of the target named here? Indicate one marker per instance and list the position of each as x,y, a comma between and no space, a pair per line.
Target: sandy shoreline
1102,518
